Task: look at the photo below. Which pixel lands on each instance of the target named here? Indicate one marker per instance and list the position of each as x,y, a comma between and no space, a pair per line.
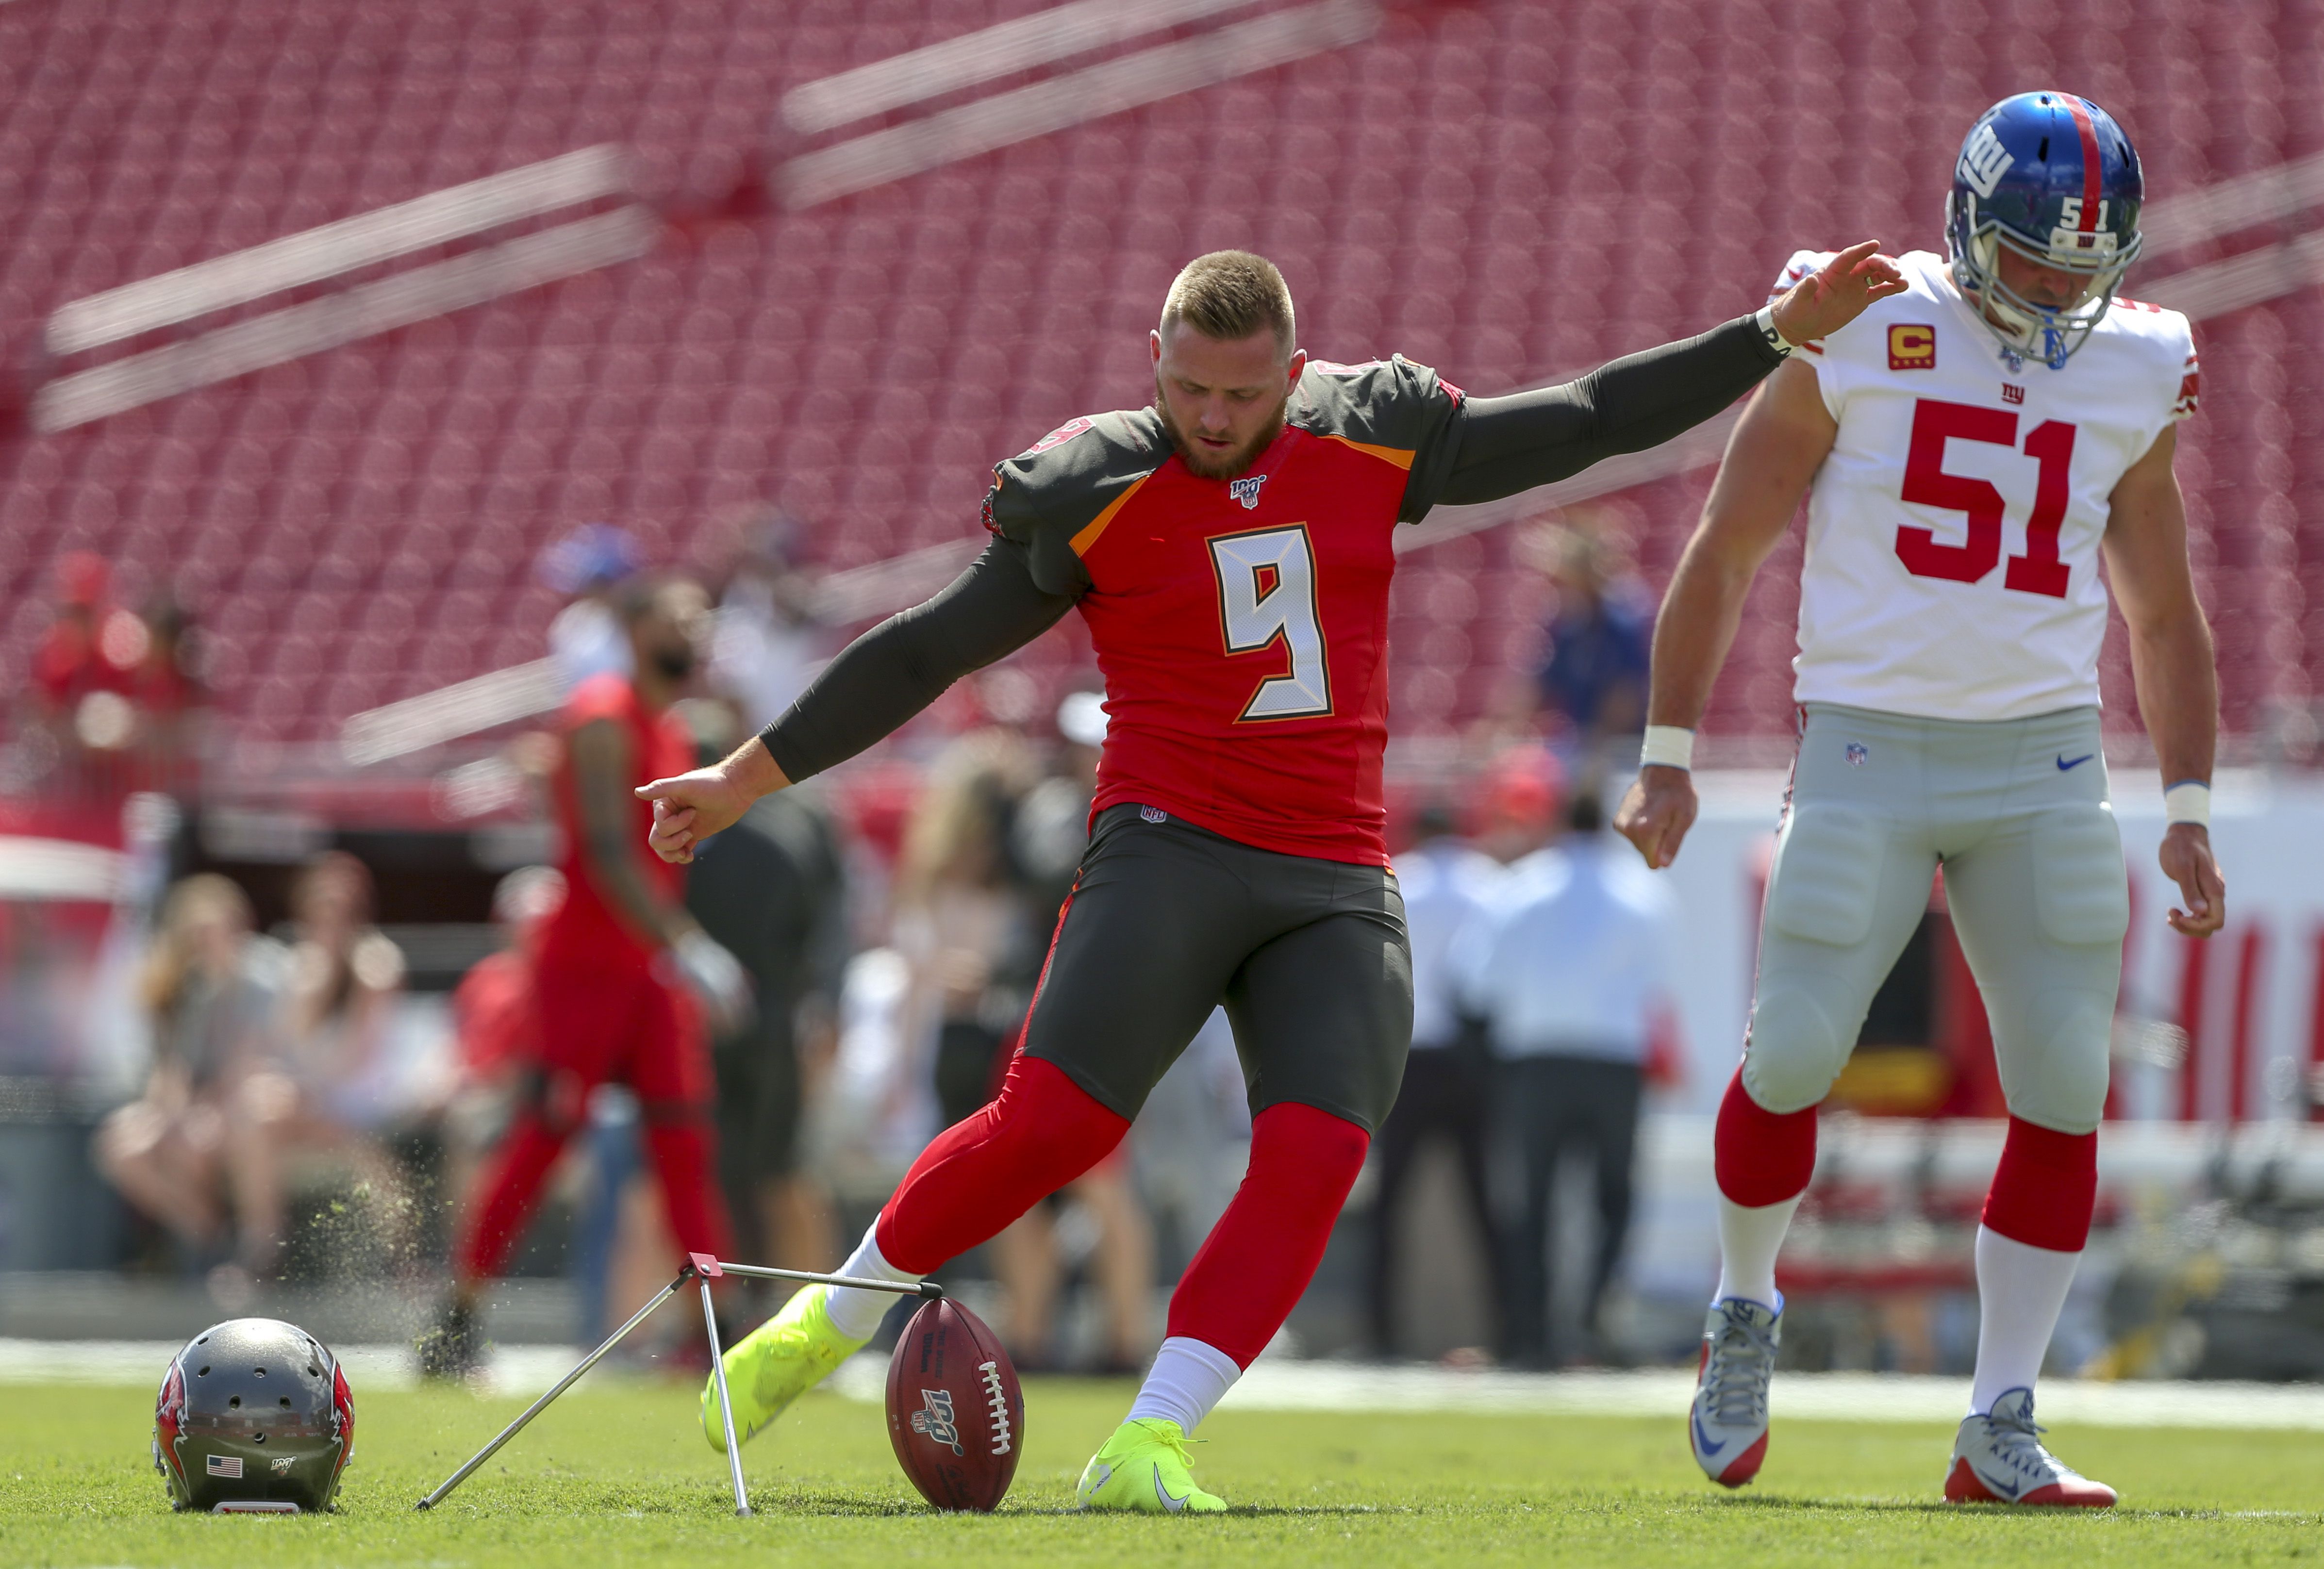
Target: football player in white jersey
1974,446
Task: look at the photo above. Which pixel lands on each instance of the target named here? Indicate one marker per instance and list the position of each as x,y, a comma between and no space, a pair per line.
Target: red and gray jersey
1242,624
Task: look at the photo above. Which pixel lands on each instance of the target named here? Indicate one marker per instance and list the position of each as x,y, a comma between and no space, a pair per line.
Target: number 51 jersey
1242,624
1951,569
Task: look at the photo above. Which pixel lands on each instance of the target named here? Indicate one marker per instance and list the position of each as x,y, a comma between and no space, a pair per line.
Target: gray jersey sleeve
1400,409
1046,496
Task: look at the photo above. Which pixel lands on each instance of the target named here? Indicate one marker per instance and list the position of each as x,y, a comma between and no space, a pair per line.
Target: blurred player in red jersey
1230,549
622,973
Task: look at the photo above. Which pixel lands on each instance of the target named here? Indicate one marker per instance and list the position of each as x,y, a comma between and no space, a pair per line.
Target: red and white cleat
1998,1459
1728,1426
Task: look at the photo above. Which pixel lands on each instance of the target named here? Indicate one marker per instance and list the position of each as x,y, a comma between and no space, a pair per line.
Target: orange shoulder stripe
1401,456
1097,525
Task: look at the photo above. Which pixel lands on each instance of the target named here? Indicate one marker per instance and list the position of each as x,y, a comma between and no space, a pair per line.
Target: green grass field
618,1475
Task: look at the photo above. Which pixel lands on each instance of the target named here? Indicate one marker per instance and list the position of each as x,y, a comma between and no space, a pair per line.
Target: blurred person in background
768,641
1571,972
624,974
1049,835
76,709
326,1083
1051,828
211,987
1517,802
1447,1087
1591,682
772,890
588,637
167,691
974,938
493,1020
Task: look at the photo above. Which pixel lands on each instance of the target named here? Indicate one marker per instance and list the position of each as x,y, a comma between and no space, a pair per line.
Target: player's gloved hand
716,977
2187,860
1656,811
1836,293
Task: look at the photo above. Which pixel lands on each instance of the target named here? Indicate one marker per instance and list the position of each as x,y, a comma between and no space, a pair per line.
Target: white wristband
1775,340
1669,746
2187,801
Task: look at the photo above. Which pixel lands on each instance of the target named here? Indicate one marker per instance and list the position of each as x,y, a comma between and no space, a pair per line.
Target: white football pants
2016,811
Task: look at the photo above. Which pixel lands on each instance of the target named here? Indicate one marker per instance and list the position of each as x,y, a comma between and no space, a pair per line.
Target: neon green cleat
1145,1466
774,1365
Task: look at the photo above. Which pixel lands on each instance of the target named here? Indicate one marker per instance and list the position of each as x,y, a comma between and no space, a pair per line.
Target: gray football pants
2016,811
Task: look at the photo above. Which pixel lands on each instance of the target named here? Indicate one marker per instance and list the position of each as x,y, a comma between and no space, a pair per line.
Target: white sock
1748,1242
857,1314
2020,1291
1188,1378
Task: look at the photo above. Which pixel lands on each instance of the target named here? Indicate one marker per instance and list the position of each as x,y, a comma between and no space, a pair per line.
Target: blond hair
1229,295
170,963
961,813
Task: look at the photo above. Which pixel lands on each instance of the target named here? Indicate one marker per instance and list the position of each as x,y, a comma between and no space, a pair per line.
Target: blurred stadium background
324,326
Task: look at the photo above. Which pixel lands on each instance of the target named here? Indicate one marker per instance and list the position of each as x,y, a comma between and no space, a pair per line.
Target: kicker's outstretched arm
874,685
1508,444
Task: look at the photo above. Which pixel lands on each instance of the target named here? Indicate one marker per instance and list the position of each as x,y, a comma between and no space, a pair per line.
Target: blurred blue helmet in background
2052,178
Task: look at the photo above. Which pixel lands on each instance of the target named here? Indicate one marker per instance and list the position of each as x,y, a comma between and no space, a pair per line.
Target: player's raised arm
1776,449
2170,664
1508,444
875,684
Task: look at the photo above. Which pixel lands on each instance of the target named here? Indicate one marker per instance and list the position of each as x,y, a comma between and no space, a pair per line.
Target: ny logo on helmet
1984,160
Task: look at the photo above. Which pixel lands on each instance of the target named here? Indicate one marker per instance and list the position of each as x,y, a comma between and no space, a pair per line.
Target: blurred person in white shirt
1448,889
768,641
1571,974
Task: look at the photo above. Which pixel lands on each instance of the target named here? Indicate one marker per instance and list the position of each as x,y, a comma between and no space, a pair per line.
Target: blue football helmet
2052,178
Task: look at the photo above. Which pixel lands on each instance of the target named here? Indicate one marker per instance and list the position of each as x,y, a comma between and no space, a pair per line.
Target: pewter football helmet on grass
253,1417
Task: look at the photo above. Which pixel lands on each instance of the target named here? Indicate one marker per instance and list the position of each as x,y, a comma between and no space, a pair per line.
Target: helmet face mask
254,1414
2051,180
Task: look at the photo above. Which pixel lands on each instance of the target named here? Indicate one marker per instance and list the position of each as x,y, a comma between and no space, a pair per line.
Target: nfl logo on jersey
1245,490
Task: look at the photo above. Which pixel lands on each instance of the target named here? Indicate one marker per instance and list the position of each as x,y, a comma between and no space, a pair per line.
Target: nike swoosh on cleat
1702,1443
2008,1490
1169,1503
2063,764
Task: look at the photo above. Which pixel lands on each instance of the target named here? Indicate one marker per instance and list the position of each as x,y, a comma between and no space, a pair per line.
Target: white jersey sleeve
1952,569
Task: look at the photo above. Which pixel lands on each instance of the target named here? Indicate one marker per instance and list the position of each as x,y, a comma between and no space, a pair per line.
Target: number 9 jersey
1951,569
1242,623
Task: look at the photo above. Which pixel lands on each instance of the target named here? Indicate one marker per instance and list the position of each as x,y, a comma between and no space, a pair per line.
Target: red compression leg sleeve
2046,1187
1256,1261
1761,1156
980,1174
503,1199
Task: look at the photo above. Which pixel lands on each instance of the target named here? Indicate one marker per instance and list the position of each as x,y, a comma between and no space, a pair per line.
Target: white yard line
1278,1385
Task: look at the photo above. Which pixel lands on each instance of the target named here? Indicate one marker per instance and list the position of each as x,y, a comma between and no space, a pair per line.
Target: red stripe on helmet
2090,135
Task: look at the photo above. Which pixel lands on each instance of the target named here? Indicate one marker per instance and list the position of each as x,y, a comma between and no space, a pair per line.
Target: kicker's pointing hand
1836,293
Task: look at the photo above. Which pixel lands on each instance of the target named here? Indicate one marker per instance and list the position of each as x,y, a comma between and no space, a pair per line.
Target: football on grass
955,1411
